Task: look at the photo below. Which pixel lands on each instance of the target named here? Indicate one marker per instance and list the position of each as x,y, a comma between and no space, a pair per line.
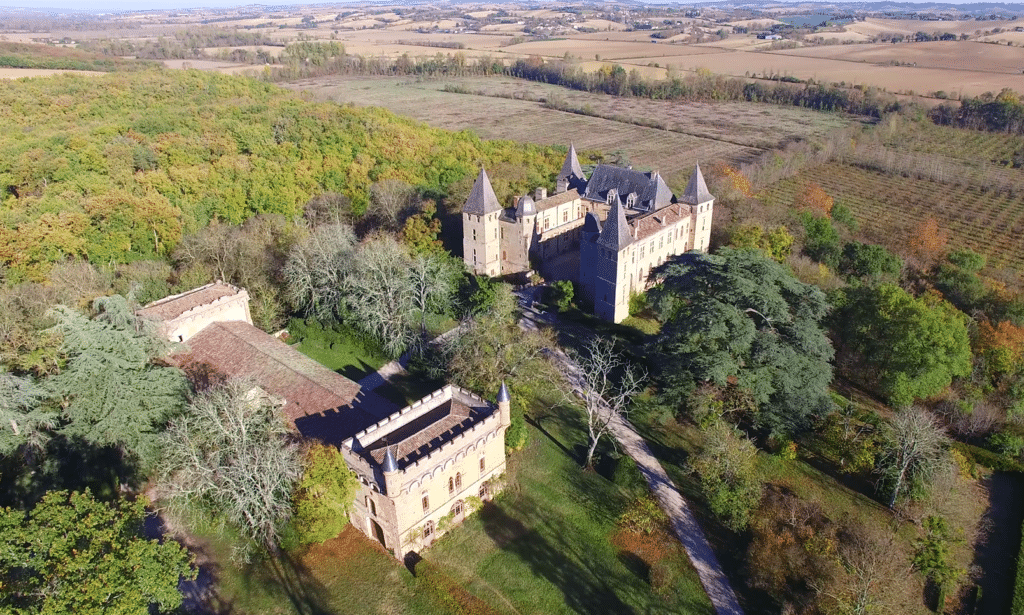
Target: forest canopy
118,168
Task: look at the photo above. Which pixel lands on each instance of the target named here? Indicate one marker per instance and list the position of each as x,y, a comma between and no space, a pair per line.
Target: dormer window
631,199
613,195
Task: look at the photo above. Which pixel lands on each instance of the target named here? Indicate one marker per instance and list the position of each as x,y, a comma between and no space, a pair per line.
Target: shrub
643,516
627,474
517,435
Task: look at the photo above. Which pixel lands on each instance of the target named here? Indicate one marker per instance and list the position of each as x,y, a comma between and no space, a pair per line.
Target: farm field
731,132
952,55
890,208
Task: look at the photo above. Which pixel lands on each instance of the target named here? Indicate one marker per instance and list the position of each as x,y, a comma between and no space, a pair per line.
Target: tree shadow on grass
307,595
583,590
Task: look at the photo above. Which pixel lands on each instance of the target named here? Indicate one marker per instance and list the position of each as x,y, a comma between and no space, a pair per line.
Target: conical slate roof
697,190
503,395
481,200
571,167
615,234
389,464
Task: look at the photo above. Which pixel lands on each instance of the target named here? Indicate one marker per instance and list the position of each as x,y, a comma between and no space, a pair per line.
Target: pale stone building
441,454
428,465
618,223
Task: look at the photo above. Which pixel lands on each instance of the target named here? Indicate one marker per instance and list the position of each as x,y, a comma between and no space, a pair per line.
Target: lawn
336,348
550,544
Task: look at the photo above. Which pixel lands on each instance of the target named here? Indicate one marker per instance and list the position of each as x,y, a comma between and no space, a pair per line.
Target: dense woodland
899,375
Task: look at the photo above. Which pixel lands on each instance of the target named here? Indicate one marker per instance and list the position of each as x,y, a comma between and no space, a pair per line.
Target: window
547,223
565,216
451,485
457,509
458,480
485,491
483,464
474,234
426,503
428,529
372,506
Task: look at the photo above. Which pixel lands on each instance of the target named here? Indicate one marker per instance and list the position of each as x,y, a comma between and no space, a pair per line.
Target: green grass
335,348
546,544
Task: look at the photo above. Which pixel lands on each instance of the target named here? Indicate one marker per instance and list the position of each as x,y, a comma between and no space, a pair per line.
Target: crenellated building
605,232
422,467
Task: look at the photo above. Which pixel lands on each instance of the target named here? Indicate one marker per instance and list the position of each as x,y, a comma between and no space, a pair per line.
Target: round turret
526,207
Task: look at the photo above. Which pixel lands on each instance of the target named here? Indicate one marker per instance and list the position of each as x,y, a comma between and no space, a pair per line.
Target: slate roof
320,403
174,306
616,232
571,167
557,199
651,190
482,199
696,190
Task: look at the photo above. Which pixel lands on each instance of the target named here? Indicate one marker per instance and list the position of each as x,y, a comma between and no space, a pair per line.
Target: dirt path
684,524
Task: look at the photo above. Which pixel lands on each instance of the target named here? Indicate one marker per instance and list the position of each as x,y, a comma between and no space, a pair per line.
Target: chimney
540,194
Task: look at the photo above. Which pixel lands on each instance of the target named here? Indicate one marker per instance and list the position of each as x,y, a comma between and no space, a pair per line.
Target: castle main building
606,232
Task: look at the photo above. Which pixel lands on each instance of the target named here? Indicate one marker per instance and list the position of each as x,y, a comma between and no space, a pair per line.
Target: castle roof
571,167
174,306
651,191
525,207
503,393
615,234
557,199
696,190
389,464
482,199
318,401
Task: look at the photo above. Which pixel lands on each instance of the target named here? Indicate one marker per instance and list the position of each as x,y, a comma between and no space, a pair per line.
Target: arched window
457,509
428,529
426,503
483,464
485,491
458,480
451,485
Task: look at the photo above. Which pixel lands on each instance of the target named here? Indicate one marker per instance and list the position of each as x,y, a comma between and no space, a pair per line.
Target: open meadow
676,135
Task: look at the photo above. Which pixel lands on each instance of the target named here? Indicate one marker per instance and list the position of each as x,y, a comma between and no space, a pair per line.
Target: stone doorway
378,532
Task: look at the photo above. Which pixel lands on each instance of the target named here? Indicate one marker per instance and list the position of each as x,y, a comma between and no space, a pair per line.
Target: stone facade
620,223
425,467
422,467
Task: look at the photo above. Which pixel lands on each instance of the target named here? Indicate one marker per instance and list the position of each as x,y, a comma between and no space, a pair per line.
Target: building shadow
584,589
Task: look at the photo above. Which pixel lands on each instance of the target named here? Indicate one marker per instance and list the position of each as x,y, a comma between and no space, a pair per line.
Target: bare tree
316,268
230,456
390,201
866,581
606,383
379,292
913,452
433,283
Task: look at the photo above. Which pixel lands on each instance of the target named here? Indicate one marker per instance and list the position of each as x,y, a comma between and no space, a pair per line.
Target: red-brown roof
320,403
650,224
428,433
170,308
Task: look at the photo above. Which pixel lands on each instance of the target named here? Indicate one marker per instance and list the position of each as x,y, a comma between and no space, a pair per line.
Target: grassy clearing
551,545
335,348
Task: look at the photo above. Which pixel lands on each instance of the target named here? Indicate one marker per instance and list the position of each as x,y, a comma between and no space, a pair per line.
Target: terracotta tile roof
650,224
429,432
320,403
557,199
171,307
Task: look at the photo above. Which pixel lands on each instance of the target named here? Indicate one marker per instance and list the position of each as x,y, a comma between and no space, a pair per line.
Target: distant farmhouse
606,232
419,466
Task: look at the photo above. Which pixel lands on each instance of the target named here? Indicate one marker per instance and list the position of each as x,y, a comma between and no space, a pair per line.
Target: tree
726,468
110,391
864,260
913,452
22,420
316,269
323,496
607,383
815,199
929,240
776,243
390,201
433,276
421,230
862,584
740,319
491,347
560,294
821,240
230,458
74,554
379,293
910,348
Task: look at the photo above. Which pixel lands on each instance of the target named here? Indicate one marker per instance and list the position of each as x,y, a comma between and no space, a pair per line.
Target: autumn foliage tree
815,199
929,240
1002,346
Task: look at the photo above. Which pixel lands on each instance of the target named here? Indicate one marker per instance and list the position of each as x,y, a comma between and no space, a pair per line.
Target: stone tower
701,203
481,241
611,285
504,405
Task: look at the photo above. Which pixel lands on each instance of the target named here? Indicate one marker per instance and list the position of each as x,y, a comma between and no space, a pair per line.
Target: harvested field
872,26
608,50
890,208
672,153
951,55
